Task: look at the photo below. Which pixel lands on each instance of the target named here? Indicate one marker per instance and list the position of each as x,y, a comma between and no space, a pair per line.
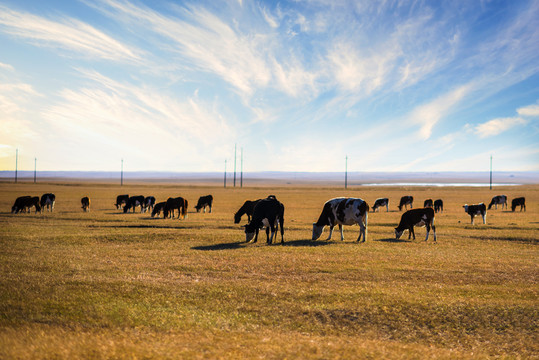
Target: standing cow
268,213
85,202
133,202
438,205
342,211
479,209
498,200
176,203
405,201
47,200
121,200
25,203
518,202
428,203
158,208
379,203
148,204
416,217
204,201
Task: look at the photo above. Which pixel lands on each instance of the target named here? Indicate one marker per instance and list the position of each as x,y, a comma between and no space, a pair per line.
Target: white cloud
6,67
497,126
530,110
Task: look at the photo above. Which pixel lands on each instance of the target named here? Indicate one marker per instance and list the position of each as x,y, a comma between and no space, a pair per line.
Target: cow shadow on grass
223,246
393,240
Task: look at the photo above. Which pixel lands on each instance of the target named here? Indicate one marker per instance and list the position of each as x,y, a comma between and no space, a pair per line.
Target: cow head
250,231
317,231
465,207
237,218
398,233
197,208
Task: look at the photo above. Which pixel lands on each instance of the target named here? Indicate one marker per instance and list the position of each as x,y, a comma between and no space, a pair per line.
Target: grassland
105,284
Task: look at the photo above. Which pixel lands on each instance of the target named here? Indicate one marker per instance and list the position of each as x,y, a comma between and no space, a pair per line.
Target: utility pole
346,172
490,172
225,174
35,169
122,174
234,165
16,163
241,169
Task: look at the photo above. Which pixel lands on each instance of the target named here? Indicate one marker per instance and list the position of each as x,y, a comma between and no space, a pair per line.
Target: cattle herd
268,213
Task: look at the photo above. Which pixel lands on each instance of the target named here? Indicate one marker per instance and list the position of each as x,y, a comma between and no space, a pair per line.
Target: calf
158,208
428,203
148,203
204,201
85,202
438,205
133,202
342,211
405,201
498,200
381,202
24,203
416,217
121,200
176,203
267,213
479,209
247,208
47,200
518,202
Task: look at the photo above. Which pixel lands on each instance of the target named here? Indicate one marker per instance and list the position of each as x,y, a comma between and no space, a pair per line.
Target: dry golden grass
105,284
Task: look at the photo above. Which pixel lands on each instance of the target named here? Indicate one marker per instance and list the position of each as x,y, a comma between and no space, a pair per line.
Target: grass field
105,284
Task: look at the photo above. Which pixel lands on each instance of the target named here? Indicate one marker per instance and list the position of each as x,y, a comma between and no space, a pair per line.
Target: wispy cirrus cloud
66,33
497,126
530,110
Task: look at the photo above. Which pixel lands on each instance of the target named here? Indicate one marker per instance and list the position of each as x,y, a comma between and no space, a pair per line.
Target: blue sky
299,85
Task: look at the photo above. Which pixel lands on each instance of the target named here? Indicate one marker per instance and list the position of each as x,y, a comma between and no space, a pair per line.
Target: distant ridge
354,178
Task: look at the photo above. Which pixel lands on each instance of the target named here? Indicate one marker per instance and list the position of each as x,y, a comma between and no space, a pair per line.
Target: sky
169,85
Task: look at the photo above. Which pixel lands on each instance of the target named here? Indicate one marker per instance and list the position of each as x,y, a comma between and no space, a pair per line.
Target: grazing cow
248,208
158,208
479,209
133,202
428,203
416,217
518,202
204,201
498,200
121,200
405,201
176,203
24,203
438,205
85,202
381,202
342,211
148,204
47,200
267,213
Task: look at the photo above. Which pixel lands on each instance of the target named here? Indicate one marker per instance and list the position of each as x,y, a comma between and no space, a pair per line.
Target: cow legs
472,218
411,232
330,232
340,230
281,223
484,218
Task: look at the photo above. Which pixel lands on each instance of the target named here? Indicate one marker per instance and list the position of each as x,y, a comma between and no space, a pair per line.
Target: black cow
85,202
248,208
176,203
438,205
405,201
428,203
148,204
342,211
24,203
204,201
133,202
47,200
498,200
416,217
521,201
479,209
158,208
267,213
380,202
121,200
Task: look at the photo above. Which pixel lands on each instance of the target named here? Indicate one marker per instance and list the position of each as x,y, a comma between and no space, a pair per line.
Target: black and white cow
148,204
416,217
247,209
176,203
204,201
438,205
521,201
121,200
85,202
160,206
133,202
24,203
405,201
428,203
47,200
498,200
380,202
268,213
479,209
342,211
